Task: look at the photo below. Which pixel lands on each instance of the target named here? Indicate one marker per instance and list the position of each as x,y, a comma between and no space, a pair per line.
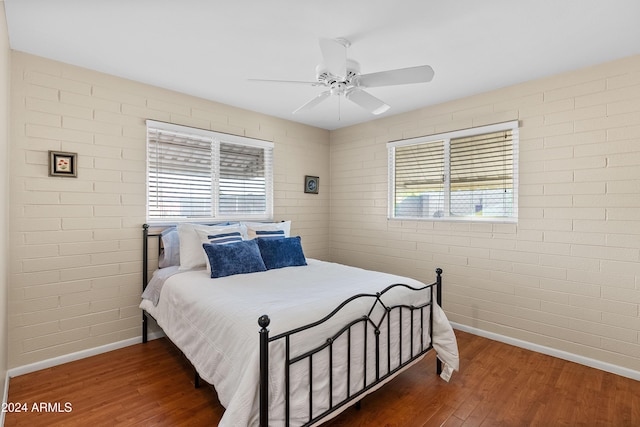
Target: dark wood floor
498,385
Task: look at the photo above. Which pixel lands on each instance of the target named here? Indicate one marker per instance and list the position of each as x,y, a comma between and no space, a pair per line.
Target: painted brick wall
75,262
567,276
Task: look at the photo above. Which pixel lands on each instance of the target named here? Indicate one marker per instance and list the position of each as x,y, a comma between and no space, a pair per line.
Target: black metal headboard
148,233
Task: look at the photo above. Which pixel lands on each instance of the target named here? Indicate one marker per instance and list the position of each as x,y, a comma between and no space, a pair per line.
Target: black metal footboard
381,351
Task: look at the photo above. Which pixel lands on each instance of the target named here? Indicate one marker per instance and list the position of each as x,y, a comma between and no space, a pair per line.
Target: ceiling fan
341,76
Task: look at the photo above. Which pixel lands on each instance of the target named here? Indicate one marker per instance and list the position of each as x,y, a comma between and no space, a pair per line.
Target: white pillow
191,252
170,254
252,227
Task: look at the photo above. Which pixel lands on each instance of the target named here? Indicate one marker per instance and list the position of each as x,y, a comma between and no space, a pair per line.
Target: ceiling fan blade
335,56
315,101
402,76
286,81
367,101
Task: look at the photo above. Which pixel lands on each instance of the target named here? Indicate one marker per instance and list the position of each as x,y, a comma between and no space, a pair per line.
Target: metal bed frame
365,322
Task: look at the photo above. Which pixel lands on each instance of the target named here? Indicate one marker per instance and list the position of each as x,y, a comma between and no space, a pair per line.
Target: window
469,175
195,174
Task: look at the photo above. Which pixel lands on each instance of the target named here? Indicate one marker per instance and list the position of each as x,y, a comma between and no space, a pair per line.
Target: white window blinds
419,177
198,174
243,179
470,174
482,175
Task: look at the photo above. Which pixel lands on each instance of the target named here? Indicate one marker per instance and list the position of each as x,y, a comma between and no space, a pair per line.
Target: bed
297,343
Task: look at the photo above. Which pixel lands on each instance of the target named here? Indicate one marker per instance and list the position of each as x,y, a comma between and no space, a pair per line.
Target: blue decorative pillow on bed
234,258
283,252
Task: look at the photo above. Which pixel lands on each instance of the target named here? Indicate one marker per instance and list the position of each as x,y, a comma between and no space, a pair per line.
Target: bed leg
439,301
145,273
263,322
439,286
196,378
359,405
144,327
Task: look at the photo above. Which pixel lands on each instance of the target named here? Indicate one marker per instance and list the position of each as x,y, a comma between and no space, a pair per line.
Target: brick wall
76,243
567,275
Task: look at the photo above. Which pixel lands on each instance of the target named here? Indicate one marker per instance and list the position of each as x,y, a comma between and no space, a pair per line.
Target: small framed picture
311,184
63,164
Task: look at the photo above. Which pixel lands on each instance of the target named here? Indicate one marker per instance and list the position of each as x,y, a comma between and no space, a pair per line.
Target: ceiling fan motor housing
338,84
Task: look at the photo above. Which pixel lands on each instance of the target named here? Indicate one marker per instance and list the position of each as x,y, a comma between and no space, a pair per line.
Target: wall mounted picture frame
311,184
63,164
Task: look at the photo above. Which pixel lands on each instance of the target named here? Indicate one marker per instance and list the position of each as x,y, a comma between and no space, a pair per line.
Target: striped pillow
224,238
251,228
269,234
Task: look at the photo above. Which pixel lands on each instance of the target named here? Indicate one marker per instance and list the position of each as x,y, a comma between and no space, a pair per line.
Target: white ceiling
210,48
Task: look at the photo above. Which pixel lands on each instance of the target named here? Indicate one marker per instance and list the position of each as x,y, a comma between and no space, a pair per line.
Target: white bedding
214,323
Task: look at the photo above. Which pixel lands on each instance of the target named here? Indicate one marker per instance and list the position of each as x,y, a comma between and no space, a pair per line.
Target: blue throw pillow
234,258
284,252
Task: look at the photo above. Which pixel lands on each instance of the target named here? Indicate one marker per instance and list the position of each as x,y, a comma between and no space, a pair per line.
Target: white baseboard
582,360
44,364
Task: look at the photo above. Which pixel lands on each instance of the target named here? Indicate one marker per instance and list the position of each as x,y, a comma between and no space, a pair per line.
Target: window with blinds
419,173
469,175
195,174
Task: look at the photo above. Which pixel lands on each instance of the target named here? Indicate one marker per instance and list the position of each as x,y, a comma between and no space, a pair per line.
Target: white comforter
214,323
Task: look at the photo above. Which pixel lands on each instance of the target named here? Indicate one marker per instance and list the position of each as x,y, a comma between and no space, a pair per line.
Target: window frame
217,138
446,138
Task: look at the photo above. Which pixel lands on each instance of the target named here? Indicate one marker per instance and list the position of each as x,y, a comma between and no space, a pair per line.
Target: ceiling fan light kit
340,76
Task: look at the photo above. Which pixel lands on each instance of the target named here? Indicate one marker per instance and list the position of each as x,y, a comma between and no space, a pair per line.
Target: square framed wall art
63,164
311,184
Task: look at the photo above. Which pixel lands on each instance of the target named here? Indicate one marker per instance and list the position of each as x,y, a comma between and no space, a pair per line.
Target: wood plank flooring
498,385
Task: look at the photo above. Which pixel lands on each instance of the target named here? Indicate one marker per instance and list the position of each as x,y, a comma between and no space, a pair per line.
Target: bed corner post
145,266
439,286
263,322
439,301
